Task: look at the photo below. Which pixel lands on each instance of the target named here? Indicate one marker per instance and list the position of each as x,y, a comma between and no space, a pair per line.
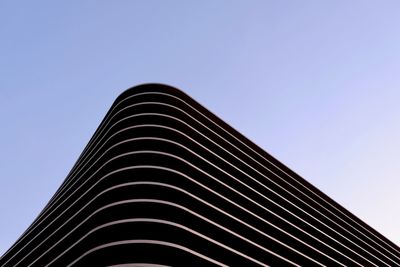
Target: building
164,182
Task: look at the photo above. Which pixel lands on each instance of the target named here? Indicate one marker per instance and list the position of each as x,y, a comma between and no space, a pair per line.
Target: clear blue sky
314,83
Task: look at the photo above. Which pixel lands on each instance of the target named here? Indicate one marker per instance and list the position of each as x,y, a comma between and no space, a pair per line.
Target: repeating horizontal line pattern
164,182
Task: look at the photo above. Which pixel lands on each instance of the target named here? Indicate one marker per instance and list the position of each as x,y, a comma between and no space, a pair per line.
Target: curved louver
164,182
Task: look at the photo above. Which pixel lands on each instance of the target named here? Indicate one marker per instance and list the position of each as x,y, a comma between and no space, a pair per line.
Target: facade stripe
164,182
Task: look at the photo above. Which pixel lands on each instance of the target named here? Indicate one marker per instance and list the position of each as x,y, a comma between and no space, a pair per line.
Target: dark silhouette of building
164,182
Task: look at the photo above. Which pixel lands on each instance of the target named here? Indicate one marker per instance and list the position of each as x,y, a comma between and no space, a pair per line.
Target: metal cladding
164,182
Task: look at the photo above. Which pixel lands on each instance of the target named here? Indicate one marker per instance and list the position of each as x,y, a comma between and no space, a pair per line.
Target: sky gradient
314,83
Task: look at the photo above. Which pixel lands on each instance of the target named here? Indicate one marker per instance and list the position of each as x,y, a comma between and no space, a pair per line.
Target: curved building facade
164,182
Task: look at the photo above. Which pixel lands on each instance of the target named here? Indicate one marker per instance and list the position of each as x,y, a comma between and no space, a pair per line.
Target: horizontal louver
164,182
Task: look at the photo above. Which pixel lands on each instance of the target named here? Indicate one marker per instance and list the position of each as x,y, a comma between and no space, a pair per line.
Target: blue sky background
314,83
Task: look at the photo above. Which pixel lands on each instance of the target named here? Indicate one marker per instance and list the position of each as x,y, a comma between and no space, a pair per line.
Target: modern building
164,182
